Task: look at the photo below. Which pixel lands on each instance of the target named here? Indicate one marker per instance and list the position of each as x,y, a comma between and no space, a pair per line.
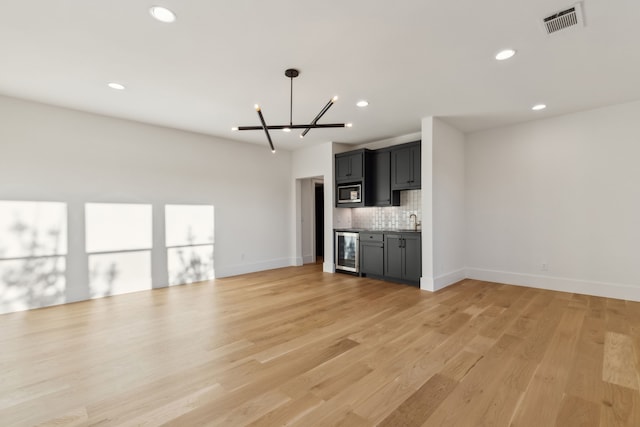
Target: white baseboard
442,281
586,287
236,270
328,267
308,259
427,284
448,279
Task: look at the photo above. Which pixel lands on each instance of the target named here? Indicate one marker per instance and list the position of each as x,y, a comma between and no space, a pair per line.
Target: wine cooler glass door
347,251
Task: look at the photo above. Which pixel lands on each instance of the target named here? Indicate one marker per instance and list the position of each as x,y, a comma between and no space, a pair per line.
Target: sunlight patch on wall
189,225
113,227
29,229
190,264
33,235
115,233
31,283
119,273
189,231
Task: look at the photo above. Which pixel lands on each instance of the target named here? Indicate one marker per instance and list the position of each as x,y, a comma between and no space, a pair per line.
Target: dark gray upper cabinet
381,173
405,166
381,194
403,257
350,166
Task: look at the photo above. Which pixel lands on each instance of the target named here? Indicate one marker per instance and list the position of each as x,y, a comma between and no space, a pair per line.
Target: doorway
319,221
311,220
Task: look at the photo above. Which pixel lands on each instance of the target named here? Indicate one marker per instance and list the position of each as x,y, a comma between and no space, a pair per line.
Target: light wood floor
301,347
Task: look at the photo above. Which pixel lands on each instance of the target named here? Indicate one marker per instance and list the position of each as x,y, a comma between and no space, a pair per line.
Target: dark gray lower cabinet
371,254
393,256
412,263
403,257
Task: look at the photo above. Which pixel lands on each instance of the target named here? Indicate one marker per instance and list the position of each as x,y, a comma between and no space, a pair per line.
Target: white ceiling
409,58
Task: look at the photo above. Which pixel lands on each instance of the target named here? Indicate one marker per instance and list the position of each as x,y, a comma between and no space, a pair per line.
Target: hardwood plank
585,378
288,412
619,364
75,418
620,407
417,408
576,412
549,381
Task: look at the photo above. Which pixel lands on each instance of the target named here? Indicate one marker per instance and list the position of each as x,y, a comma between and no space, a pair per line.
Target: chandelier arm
320,114
280,127
266,130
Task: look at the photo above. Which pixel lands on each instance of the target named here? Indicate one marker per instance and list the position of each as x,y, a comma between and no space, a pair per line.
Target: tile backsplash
390,217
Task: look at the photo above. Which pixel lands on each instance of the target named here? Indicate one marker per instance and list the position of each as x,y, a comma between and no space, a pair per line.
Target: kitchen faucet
413,218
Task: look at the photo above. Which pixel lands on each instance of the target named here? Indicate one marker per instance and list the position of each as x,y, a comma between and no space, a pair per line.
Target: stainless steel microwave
351,193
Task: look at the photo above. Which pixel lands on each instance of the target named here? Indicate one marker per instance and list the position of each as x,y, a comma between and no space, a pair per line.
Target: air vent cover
564,19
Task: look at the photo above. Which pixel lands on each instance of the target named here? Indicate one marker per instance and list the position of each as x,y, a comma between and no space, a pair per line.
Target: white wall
563,192
448,204
309,162
55,154
443,190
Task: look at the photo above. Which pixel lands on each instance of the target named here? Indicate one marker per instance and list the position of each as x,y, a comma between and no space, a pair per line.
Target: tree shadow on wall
193,267
32,281
102,280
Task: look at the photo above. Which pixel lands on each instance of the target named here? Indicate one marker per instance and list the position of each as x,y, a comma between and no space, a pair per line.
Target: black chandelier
292,73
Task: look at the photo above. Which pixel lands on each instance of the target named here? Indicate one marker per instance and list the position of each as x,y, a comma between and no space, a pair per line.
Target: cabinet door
393,256
405,167
356,171
401,168
381,179
412,254
343,168
416,167
372,258
350,167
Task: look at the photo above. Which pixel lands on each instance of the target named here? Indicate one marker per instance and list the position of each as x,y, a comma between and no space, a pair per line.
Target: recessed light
505,54
538,107
116,86
162,14
362,103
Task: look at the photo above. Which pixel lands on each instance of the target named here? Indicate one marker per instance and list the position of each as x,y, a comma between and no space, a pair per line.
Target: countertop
378,230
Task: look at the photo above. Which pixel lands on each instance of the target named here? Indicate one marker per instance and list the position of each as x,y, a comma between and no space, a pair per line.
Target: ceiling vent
569,18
